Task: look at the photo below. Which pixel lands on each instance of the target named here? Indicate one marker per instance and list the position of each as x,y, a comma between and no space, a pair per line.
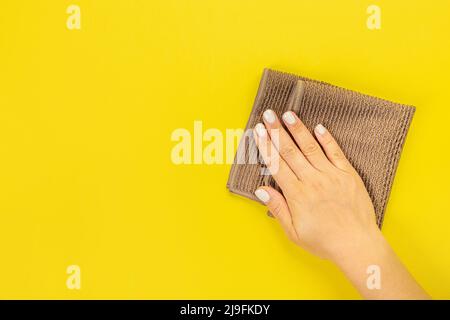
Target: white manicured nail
289,118
269,116
320,129
260,130
262,195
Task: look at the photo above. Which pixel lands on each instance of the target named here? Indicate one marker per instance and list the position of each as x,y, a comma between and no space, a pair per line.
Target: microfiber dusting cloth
370,131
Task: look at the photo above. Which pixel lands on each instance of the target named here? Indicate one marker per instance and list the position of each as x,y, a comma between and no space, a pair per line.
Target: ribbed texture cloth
370,131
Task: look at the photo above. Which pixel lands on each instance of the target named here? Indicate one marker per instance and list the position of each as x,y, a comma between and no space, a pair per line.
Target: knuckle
337,180
337,154
287,151
310,148
327,140
298,128
319,185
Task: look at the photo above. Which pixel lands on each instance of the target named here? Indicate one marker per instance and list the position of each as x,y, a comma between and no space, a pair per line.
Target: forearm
376,272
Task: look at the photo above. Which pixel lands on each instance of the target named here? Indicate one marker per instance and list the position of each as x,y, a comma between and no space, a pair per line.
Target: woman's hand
325,207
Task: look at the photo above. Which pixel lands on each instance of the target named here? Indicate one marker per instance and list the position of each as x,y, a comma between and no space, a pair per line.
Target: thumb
277,205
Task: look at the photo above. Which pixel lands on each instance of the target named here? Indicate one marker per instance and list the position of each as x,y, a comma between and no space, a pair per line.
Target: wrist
369,250
367,247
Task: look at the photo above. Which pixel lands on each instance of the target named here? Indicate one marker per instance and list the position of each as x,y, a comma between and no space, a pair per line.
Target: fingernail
269,116
320,129
289,118
260,130
262,195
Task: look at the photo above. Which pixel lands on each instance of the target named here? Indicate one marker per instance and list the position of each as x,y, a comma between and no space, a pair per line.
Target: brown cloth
370,131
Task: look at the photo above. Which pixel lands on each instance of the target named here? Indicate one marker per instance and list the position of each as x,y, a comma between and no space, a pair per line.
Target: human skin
324,206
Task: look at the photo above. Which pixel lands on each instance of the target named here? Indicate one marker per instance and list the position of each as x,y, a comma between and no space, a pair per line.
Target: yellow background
85,123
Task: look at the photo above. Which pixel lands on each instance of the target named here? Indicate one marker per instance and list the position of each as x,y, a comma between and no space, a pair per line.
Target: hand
325,207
